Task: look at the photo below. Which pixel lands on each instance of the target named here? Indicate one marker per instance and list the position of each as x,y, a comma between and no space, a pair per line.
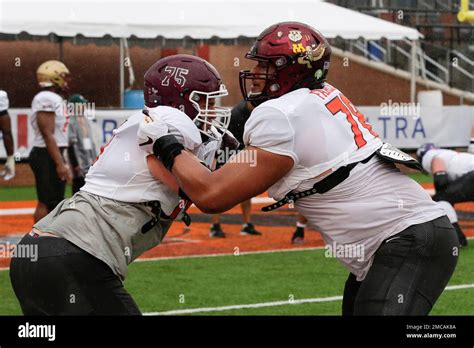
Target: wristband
440,181
167,148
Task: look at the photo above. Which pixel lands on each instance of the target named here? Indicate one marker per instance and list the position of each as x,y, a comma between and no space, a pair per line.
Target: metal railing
439,70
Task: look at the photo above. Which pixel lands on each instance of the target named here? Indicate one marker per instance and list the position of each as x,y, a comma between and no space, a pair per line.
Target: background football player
308,137
81,150
86,244
8,172
49,120
453,176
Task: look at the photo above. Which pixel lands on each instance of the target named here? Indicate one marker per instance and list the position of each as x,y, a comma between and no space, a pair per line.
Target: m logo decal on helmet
298,48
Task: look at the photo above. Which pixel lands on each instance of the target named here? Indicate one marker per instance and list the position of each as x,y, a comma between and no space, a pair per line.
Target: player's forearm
437,165
5,128
8,142
205,188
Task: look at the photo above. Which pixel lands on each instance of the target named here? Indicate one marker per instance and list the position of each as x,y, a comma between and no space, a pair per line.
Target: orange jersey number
341,103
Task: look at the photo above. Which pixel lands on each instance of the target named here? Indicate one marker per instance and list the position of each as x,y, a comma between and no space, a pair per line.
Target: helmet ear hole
274,87
280,62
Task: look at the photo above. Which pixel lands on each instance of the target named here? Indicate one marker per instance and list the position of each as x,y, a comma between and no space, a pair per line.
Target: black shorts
409,272
59,278
49,187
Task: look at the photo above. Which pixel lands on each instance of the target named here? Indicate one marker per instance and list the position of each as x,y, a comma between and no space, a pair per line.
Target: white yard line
18,211
226,254
254,305
274,303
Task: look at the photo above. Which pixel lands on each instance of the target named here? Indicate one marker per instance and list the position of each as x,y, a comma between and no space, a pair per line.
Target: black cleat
249,230
298,236
216,231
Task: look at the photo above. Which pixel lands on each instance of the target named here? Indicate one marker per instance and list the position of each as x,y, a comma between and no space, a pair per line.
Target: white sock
10,160
299,224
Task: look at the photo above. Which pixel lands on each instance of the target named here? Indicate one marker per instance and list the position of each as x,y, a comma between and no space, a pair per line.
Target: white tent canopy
198,19
176,19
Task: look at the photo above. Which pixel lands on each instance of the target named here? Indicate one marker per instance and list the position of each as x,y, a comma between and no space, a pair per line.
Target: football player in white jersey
49,120
87,242
453,173
453,176
314,150
8,172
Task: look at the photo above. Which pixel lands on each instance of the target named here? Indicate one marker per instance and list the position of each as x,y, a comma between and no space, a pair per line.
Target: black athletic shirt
240,115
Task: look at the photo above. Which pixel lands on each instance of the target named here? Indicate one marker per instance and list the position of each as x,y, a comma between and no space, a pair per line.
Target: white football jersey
4,104
121,171
321,130
48,101
457,163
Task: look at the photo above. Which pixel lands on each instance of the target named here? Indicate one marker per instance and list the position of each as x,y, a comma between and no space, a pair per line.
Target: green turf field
249,279
23,193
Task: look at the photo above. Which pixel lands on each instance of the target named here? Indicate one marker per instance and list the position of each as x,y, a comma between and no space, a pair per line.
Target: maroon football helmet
181,81
300,55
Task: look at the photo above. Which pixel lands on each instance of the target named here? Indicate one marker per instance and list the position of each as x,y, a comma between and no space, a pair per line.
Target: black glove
229,142
229,147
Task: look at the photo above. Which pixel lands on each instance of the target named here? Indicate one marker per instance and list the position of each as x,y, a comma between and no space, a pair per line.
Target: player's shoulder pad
46,101
267,126
4,103
179,124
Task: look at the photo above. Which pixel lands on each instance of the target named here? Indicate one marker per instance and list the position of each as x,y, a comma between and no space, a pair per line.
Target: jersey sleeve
179,125
4,103
269,129
46,102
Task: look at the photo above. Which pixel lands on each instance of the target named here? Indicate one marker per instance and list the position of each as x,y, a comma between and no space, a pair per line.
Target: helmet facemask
271,87
211,120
